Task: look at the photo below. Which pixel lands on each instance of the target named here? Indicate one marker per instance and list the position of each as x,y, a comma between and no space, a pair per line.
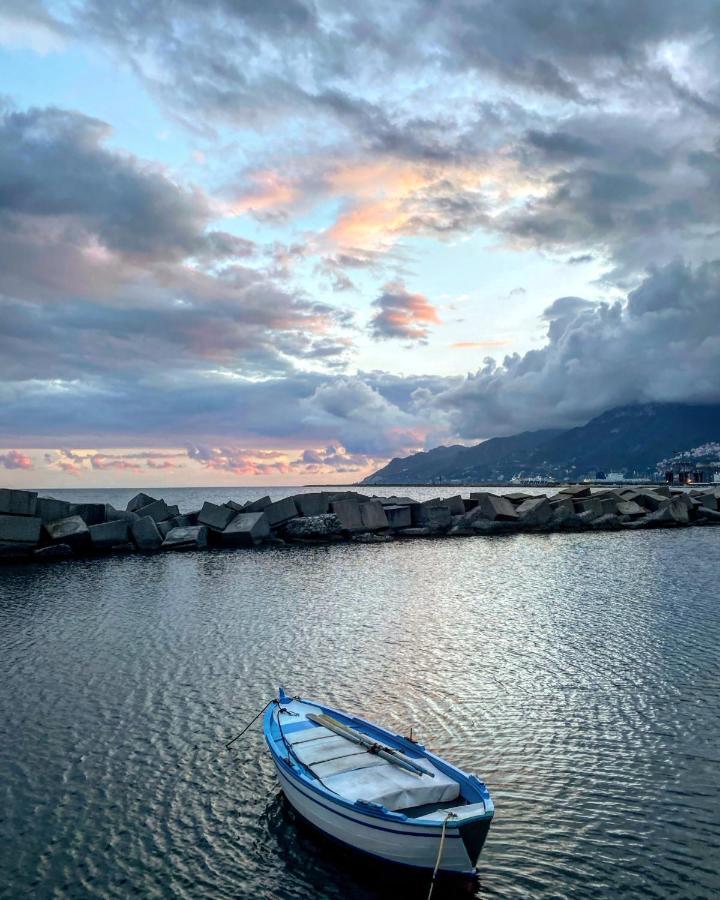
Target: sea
577,674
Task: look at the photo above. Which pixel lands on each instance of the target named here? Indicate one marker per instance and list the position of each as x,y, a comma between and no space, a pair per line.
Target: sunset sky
283,241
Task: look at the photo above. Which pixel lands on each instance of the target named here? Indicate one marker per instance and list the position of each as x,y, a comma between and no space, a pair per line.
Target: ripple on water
578,674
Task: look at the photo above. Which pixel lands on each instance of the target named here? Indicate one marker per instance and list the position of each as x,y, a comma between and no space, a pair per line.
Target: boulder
312,504
493,507
53,551
138,501
158,511
372,515
245,529
50,510
398,516
145,535
90,513
348,514
279,512
258,505
71,530
20,530
194,537
215,517
313,528
535,511
107,534
17,503
576,491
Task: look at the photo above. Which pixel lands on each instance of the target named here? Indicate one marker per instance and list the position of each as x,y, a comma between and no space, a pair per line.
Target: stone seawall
36,528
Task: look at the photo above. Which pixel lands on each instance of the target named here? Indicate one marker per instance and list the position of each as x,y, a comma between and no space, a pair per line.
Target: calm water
578,674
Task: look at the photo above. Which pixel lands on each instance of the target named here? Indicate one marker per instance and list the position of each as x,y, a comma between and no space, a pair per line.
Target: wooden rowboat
376,791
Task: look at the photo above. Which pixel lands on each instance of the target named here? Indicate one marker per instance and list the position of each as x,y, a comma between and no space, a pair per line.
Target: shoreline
34,527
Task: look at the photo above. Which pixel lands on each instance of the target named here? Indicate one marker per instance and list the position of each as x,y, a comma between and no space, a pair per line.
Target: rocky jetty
33,527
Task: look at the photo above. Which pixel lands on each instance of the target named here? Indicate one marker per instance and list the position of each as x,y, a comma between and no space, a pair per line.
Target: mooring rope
439,856
251,722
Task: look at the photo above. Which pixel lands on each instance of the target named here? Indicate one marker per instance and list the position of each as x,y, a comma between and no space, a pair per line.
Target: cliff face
629,439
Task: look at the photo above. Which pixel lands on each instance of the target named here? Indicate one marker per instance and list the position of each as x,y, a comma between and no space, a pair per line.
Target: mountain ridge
630,439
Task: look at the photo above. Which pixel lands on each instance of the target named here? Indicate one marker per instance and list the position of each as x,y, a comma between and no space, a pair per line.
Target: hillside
628,439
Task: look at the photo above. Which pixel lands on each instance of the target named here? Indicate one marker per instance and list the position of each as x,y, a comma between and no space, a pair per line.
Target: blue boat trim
336,812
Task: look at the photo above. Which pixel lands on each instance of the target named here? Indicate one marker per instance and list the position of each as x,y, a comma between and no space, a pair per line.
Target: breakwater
34,527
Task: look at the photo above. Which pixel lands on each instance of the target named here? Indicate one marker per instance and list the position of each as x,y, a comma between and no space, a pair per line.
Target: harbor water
577,674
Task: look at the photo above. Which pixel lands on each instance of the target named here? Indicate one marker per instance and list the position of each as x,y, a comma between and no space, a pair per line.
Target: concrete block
493,507
432,515
455,505
588,505
535,511
609,505
562,503
245,529
373,515
53,551
517,497
195,537
280,511
107,534
348,514
316,504
576,491
313,528
650,499
145,535
258,505
166,527
17,503
184,520
216,517
398,516
232,504
708,501
470,503
119,515
138,501
397,501
20,529
158,511
673,512
630,508
606,522
90,513
50,510
173,510
72,530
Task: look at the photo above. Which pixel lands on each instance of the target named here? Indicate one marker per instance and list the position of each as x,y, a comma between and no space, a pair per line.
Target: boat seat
393,787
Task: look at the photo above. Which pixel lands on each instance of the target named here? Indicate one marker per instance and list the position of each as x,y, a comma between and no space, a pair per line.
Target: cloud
14,459
662,344
478,345
402,315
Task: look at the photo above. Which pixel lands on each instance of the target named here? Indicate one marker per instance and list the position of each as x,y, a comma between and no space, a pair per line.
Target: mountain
628,439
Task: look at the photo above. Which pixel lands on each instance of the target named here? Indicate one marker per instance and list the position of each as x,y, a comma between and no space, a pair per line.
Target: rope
251,722
439,856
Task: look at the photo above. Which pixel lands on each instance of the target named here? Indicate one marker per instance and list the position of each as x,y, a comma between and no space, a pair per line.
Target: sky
273,242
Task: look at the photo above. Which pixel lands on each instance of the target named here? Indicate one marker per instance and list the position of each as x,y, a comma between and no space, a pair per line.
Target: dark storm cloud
663,344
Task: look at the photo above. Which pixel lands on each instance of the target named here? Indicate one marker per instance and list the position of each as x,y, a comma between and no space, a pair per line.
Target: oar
392,756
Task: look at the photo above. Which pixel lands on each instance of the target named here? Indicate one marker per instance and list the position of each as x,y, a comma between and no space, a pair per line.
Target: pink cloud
14,459
402,314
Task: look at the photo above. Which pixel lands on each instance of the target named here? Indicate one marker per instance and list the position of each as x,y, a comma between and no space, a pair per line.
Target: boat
376,791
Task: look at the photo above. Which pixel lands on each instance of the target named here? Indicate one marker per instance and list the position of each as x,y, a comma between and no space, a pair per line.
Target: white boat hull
403,843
